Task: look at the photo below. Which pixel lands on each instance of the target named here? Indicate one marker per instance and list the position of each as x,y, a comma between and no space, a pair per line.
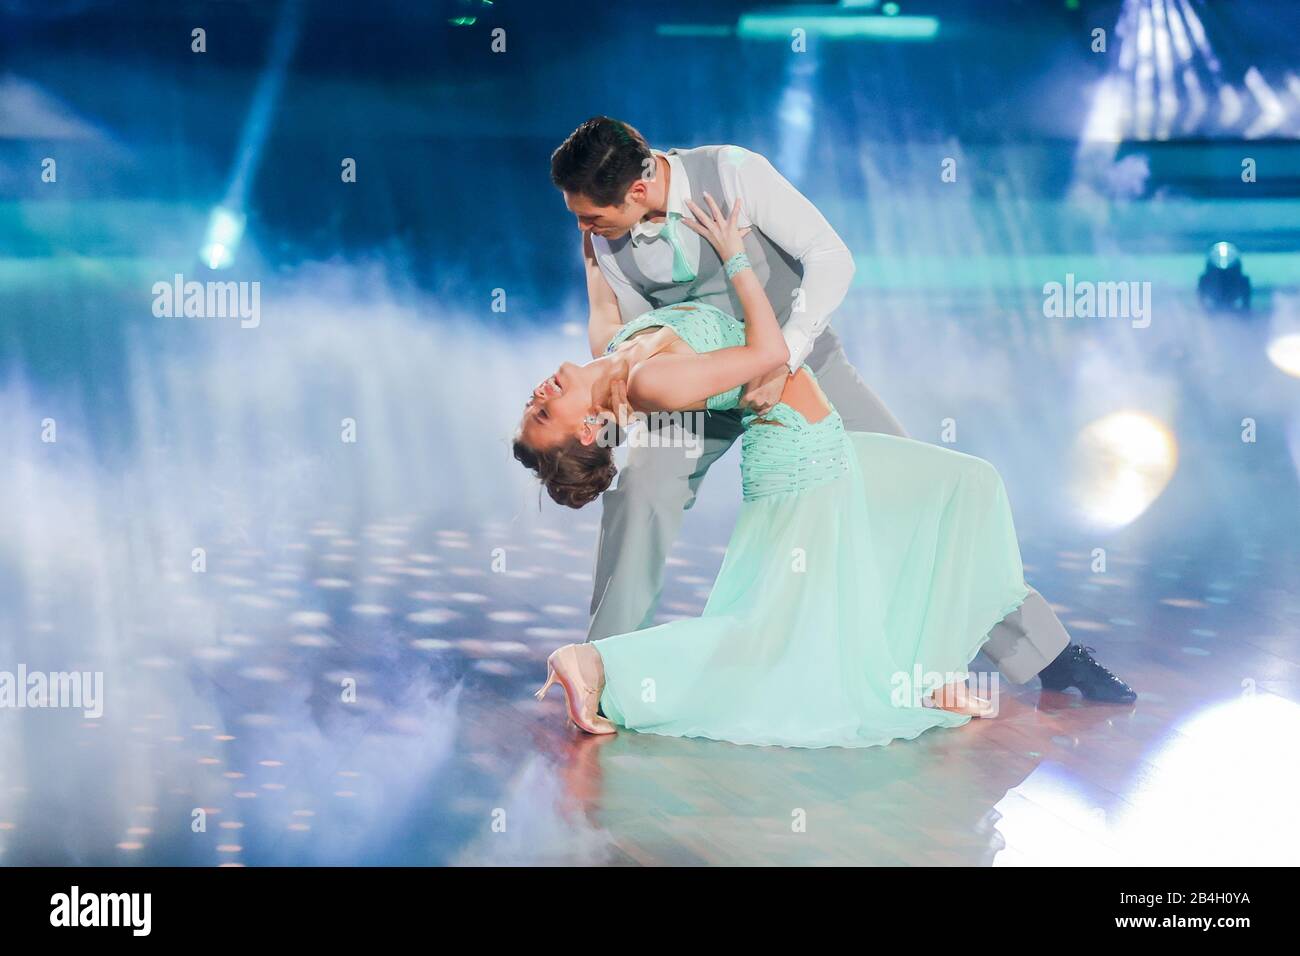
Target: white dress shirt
779,211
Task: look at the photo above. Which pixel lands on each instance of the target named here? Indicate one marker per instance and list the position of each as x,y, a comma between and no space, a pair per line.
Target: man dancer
629,201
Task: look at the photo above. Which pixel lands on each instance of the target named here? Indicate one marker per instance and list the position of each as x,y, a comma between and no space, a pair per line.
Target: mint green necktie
682,271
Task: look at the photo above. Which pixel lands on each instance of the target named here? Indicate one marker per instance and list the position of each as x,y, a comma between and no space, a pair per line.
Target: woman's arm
677,382
604,319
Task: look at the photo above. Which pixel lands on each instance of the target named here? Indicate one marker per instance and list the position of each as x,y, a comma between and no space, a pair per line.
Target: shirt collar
679,189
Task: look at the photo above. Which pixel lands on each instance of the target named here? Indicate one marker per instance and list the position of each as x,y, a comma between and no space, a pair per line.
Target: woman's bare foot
957,699
580,672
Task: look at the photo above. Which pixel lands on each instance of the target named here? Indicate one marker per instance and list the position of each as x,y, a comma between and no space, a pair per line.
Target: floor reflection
365,698
1215,790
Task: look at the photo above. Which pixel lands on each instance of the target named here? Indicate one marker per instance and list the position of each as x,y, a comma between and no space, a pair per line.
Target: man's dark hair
600,160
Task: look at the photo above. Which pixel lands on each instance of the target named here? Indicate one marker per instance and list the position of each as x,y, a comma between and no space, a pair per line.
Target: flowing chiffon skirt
837,607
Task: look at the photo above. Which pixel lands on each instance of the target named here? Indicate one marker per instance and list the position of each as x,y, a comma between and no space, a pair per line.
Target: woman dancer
862,577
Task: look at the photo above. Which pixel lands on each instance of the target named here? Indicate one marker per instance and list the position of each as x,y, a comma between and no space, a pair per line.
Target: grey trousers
642,514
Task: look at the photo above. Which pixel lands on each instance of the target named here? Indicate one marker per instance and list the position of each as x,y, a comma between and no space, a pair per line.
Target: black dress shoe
1075,667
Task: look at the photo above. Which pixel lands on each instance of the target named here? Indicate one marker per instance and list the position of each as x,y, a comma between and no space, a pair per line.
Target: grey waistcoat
780,273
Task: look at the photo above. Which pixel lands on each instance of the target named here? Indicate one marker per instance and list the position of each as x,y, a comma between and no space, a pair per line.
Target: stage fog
287,528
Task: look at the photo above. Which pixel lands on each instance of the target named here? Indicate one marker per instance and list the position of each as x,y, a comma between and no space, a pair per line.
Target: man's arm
604,320
629,302
786,217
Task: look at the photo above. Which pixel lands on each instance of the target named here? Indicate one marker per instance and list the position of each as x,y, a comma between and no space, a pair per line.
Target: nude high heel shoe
564,667
956,698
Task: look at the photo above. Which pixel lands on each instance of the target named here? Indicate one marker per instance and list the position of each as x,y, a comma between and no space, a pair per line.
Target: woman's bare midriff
805,396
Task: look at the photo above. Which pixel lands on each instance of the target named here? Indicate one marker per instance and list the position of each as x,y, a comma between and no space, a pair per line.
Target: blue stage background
1174,447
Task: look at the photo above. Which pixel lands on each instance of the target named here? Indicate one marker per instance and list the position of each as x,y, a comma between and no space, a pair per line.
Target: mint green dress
864,569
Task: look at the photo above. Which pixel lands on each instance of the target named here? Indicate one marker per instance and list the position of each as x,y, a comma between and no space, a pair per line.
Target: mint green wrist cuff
737,263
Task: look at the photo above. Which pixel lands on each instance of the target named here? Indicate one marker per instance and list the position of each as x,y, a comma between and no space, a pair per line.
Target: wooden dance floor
1197,771
443,757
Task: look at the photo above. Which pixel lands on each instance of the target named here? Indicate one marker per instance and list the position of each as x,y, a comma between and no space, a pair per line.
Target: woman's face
558,407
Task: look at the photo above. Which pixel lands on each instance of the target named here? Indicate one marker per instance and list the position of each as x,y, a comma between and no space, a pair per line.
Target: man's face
608,222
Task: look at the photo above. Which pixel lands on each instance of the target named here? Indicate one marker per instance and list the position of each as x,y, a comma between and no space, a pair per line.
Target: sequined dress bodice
782,452
702,327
